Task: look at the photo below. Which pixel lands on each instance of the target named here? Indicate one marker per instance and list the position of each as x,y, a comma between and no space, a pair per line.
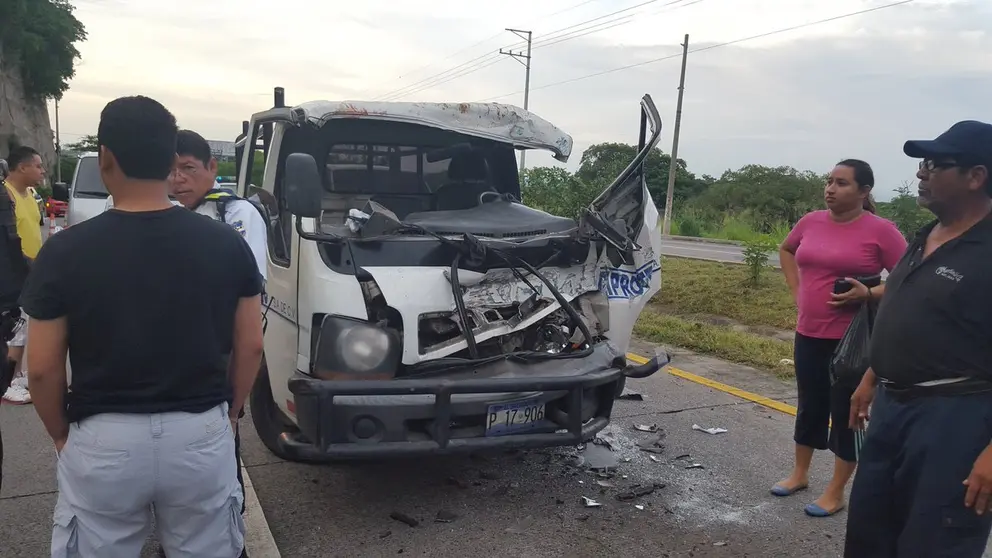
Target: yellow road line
737,392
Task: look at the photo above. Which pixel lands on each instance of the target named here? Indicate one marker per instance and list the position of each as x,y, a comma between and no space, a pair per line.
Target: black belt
907,392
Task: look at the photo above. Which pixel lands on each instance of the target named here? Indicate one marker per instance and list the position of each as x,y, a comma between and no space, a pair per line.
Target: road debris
653,446
596,457
647,427
605,483
631,395
683,456
695,466
786,362
404,518
655,458
720,543
639,506
638,491
590,503
445,516
714,430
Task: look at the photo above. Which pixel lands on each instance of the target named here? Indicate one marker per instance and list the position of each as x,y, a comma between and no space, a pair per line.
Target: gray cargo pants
116,468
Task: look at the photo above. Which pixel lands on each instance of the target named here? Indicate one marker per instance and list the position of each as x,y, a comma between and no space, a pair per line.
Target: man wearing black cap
924,481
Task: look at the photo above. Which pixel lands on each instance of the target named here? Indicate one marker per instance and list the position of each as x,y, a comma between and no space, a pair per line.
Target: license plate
513,417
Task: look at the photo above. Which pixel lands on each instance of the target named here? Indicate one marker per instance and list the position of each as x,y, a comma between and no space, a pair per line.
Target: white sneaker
17,395
21,381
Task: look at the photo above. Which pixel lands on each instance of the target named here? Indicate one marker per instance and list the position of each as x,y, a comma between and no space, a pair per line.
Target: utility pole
525,60
58,145
673,164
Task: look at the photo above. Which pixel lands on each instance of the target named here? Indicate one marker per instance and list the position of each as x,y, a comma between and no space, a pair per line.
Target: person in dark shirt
13,269
924,483
160,313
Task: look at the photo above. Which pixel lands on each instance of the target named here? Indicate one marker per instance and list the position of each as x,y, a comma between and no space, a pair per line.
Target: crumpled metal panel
492,121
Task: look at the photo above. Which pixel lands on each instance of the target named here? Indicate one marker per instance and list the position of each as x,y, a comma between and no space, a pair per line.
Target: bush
756,258
689,226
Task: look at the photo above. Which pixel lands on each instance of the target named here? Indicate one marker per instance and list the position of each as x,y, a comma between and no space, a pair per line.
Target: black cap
969,138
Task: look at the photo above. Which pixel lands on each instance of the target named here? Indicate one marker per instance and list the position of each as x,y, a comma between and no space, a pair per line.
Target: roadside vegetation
715,308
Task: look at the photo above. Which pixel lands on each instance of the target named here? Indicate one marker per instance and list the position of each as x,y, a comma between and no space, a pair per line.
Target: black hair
865,177
192,144
141,134
20,155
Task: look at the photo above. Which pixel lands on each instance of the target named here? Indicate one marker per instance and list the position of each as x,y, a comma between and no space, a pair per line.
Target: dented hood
492,121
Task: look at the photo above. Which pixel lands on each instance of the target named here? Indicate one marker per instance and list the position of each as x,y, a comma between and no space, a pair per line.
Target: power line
553,38
701,49
432,64
604,26
470,47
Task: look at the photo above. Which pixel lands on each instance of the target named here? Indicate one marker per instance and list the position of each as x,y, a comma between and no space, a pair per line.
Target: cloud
857,87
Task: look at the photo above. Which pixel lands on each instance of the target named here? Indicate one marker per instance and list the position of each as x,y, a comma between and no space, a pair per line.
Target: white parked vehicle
415,306
87,196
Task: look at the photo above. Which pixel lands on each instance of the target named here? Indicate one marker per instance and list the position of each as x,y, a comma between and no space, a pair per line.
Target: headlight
351,349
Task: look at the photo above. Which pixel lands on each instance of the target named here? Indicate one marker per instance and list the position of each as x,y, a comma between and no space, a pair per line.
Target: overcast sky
854,87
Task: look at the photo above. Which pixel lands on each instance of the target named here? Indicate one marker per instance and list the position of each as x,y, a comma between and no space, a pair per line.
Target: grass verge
695,293
718,341
690,287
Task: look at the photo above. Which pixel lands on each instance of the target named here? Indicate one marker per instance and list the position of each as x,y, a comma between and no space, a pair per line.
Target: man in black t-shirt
159,310
924,480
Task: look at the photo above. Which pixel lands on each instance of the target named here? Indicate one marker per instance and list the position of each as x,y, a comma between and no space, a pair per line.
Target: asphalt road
712,251
525,503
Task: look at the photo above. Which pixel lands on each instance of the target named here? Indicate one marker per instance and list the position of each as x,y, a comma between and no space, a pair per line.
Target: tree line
751,203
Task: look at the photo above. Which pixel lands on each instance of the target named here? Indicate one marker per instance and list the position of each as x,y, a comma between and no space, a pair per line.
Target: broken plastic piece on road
655,458
404,518
631,395
639,506
647,427
595,457
720,543
590,503
714,430
638,491
445,516
695,466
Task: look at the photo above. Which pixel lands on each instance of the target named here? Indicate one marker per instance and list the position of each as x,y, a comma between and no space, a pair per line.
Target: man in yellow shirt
26,171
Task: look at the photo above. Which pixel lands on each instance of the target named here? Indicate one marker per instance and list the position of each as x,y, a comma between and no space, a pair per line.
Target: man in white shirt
194,184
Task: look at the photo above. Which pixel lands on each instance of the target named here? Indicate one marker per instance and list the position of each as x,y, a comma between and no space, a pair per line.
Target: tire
268,420
620,385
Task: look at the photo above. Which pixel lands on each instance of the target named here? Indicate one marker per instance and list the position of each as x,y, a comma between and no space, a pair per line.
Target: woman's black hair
865,177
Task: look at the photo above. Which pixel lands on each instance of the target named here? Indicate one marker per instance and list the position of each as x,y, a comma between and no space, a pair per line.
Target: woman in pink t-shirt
845,241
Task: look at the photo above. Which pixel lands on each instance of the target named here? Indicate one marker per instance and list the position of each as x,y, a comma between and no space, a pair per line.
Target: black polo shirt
935,320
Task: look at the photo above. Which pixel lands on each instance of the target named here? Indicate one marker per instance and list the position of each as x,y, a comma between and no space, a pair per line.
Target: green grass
696,294
690,287
718,341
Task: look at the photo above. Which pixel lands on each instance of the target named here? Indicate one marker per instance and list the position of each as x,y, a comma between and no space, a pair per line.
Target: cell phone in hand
841,286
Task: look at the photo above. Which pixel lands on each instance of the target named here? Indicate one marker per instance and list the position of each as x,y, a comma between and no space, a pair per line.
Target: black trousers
6,376
819,401
908,498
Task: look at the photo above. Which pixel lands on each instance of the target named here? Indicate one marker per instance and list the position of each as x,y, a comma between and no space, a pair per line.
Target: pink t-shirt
827,250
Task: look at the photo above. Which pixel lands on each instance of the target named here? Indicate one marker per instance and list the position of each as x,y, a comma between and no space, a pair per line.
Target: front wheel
268,419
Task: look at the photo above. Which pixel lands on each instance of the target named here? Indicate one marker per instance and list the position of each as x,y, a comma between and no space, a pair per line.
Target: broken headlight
352,349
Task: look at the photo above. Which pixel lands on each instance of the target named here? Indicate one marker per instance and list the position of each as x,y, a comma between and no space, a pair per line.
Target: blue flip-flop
781,491
814,510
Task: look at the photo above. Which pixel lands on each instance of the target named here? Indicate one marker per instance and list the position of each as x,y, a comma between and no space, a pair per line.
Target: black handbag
850,360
